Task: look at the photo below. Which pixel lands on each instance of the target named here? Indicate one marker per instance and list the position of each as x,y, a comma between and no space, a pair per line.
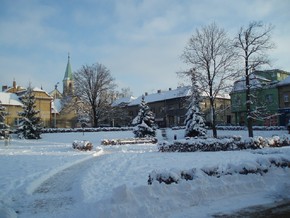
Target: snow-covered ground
47,178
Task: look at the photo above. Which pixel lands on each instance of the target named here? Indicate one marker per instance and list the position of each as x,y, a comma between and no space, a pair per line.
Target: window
286,98
16,121
238,101
269,98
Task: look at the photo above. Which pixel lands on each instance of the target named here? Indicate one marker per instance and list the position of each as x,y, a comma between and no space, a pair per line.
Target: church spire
68,71
68,79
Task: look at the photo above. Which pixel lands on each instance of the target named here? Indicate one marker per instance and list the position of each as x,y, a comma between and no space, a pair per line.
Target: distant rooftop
179,92
123,101
260,78
164,95
284,82
10,99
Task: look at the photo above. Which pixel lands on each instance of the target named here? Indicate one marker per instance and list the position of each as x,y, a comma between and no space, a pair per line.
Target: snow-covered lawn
47,178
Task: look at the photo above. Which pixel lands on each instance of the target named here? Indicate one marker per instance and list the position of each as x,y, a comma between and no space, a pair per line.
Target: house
264,99
284,101
42,102
170,107
13,105
120,116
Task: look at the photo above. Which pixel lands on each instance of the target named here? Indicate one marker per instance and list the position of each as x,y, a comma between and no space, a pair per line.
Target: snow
10,99
47,178
163,96
56,106
256,81
284,82
123,101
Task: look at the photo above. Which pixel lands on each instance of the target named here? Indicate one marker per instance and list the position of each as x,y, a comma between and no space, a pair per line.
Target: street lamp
55,87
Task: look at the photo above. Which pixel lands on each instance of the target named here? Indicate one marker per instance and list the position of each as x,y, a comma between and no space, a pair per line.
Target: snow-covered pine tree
194,122
3,126
30,126
144,122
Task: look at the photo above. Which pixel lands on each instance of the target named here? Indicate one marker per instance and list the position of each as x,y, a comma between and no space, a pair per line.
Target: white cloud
139,41
25,24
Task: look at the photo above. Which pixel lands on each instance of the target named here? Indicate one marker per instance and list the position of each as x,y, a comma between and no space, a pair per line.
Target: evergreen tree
30,126
144,122
3,126
194,122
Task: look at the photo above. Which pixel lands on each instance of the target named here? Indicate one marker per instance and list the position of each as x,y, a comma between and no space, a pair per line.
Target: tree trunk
95,119
214,130
213,116
248,100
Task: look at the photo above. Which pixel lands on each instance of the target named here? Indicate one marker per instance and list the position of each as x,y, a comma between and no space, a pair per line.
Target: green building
284,101
264,98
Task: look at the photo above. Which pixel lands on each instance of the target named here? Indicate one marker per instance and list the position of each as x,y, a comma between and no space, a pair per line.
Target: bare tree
252,43
211,56
93,87
125,92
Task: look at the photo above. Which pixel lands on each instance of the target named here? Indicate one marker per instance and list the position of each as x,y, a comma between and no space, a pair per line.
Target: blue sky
139,41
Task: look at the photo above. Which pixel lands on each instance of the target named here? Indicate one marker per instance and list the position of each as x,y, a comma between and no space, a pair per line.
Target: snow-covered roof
56,106
164,95
10,99
125,100
224,96
284,82
255,81
36,89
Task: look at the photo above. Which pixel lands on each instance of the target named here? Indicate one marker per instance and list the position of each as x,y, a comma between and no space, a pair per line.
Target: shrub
222,144
82,145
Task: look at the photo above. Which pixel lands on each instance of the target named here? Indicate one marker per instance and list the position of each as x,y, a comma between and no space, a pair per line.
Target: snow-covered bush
222,144
260,128
171,176
98,129
148,140
144,122
260,166
82,145
237,128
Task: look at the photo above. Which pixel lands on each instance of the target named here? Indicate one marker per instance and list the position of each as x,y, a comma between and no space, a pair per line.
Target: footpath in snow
47,178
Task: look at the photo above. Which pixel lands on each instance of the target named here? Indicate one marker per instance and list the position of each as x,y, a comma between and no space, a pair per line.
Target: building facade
42,104
284,101
264,98
170,107
13,106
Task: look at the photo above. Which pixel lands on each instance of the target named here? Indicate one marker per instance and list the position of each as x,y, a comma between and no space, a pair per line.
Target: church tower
68,80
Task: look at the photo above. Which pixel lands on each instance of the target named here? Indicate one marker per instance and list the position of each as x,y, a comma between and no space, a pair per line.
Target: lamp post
55,87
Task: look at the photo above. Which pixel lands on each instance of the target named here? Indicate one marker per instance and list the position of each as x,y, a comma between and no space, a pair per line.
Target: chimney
14,84
159,91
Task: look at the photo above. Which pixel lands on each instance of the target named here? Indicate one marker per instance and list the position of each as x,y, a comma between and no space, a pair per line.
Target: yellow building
13,105
42,104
